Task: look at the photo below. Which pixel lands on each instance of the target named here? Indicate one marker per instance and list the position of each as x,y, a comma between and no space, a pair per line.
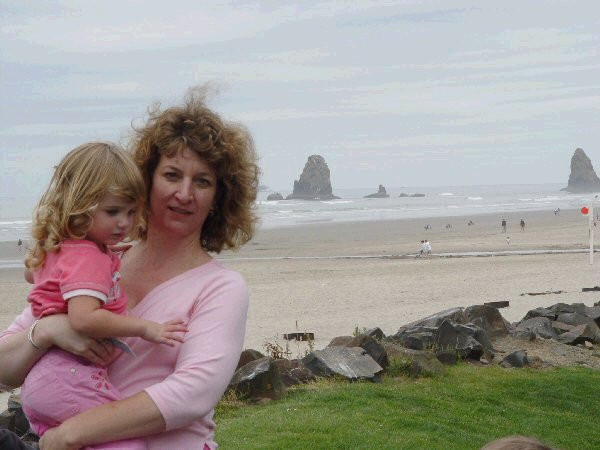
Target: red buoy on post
585,210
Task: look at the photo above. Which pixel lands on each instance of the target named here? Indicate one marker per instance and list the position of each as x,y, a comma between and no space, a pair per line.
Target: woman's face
183,192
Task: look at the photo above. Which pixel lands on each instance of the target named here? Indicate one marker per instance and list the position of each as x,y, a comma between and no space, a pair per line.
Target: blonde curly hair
227,147
83,176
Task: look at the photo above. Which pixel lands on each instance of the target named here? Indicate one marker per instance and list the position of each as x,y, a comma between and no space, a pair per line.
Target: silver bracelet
30,335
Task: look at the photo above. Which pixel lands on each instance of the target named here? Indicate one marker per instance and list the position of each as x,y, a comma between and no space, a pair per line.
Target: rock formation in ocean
583,178
381,193
274,196
314,182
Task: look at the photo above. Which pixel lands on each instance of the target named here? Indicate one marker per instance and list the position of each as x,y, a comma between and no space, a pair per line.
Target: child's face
112,220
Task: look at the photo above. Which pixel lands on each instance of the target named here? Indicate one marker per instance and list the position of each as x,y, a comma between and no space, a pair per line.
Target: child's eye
112,212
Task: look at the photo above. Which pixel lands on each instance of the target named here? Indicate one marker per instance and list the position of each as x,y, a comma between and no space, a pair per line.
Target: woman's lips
180,210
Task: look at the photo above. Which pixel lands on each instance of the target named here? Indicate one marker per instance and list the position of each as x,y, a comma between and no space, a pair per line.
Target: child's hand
167,333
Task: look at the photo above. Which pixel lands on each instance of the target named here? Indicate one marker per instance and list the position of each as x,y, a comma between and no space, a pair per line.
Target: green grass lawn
462,410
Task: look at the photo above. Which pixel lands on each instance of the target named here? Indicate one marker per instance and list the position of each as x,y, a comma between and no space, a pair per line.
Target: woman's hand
56,330
55,439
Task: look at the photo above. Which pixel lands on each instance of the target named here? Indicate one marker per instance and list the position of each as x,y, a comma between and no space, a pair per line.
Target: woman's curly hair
80,180
227,147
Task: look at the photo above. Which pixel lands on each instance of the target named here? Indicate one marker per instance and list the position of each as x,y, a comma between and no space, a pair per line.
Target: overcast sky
400,93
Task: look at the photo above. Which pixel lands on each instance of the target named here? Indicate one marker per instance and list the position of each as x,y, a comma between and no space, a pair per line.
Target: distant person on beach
427,248
522,223
504,225
557,211
20,244
470,223
507,240
92,203
516,443
448,226
201,176
422,252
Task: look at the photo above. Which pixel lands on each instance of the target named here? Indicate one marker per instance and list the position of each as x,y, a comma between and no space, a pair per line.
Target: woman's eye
202,182
171,176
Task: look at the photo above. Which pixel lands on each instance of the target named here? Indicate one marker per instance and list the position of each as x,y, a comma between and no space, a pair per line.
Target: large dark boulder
488,318
417,338
294,372
583,178
434,320
247,356
459,339
578,308
518,358
540,312
314,182
372,346
352,363
258,379
541,326
381,193
580,334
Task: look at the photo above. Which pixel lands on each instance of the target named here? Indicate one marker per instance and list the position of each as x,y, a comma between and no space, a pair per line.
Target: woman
202,176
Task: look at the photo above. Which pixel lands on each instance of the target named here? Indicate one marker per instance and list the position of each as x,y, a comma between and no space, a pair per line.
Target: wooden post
592,232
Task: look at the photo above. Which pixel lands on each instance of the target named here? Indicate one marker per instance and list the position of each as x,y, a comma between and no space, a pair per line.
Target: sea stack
314,182
381,193
583,178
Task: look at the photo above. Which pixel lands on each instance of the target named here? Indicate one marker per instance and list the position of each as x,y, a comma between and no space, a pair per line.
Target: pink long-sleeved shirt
185,381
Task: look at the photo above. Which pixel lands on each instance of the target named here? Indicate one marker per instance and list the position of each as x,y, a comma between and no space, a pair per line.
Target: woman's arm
136,416
18,355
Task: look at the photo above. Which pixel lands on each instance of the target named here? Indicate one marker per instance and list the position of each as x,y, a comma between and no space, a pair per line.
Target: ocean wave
11,264
474,198
525,199
546,199
16,222
446,193
336,202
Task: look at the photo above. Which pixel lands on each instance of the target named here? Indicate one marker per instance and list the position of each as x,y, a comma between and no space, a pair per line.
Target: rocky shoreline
558,335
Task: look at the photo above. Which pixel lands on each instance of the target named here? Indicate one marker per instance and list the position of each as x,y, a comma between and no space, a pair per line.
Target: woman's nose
184,191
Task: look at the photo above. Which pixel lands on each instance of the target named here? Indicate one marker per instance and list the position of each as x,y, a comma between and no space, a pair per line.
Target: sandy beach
328,278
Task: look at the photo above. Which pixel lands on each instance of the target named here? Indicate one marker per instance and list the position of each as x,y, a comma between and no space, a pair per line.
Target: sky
399,93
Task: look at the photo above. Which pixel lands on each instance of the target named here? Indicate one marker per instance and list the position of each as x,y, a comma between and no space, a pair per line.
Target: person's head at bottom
516,442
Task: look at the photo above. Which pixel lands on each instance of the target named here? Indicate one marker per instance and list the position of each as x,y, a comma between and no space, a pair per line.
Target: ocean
15,212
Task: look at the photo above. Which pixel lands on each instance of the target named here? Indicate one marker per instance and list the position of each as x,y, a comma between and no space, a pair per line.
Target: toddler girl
92,203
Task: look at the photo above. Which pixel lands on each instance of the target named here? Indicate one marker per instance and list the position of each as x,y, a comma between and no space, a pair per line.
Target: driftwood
299,336
595,288
543,293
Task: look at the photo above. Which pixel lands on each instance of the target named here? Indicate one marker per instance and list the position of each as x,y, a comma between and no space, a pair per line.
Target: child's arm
88,318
